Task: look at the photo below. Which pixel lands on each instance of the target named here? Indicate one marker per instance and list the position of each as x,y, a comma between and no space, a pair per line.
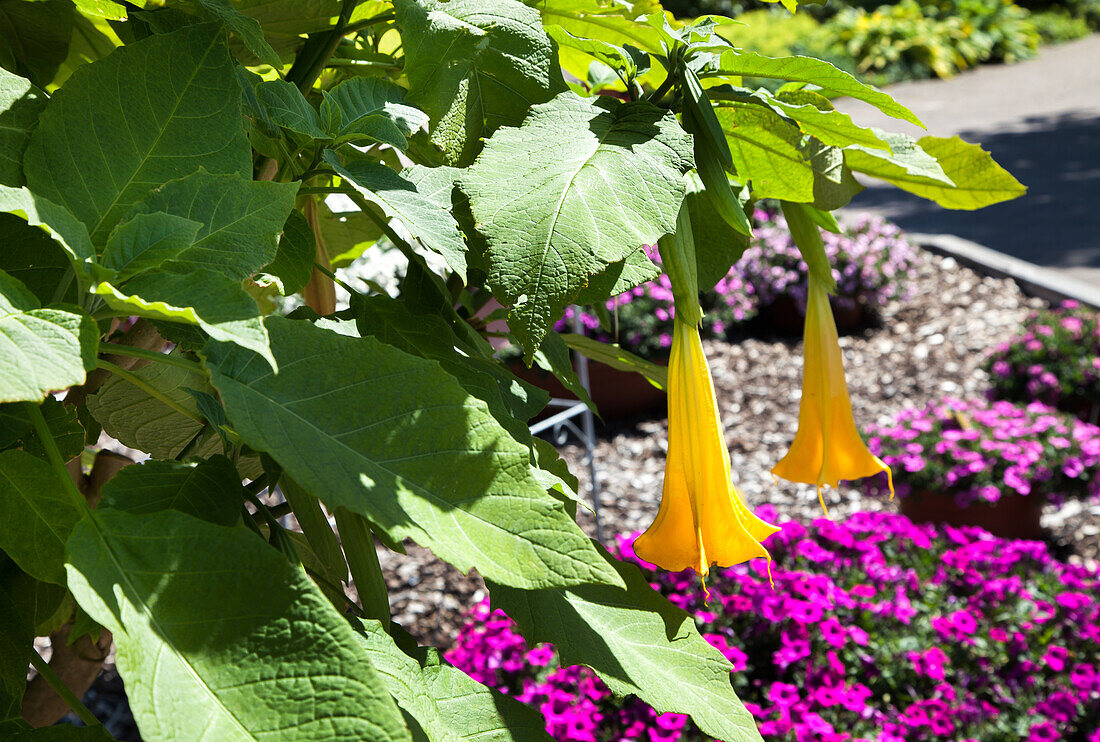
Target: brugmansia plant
165,168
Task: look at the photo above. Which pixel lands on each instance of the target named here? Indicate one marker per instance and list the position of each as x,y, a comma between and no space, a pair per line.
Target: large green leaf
829,125
372,108
62,421
32,257
425,217
429,336
209,490
41,349
474,66
34,37
582,184
608,22
815,71
241,219
193,296
978,180
638,643
145,241
768,152
38,514
391,436
24,604
56,221
141,421
904,154
446,703
20,105
249,652
100,154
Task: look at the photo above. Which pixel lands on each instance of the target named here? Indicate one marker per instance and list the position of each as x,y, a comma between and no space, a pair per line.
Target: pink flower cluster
877,630
980,450
1055,361
870,260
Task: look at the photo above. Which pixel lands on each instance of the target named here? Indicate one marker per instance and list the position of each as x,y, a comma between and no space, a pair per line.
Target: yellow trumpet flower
827,446
702,520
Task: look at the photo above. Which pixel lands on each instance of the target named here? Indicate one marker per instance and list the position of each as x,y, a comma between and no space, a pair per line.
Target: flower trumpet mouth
702,520
827,446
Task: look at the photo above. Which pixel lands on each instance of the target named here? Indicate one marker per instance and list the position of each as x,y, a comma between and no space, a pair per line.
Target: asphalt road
1041,120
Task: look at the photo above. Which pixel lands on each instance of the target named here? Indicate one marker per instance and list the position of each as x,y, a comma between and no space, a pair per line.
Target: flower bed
1056,361
876,629
981,450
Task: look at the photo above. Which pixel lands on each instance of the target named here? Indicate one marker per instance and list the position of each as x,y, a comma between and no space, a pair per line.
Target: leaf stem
150,355
54,455
63,690
149,389
360,25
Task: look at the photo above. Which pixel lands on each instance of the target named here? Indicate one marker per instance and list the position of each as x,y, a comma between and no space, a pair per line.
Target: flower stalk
702,520
827,447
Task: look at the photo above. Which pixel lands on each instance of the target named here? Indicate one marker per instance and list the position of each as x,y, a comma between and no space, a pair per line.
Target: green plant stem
62,690
359,26
335,279
150,355
321,190
54,455
149,389
328,46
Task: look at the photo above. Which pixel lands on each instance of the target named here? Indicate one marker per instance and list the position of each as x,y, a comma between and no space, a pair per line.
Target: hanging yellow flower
702,520
827,446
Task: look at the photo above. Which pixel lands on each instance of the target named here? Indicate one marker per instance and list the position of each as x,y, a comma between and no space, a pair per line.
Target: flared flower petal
702,520
827,447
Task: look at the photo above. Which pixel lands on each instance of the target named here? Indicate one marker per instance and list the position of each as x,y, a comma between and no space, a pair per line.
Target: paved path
1041,120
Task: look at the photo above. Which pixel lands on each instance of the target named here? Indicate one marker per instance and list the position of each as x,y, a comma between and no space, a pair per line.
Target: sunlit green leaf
41,349
638,643
446,703
98,154
422,459
474,66
550,199
204,649
978,180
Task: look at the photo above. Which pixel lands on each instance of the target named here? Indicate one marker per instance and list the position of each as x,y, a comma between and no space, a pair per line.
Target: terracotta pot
1012,516
617,394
